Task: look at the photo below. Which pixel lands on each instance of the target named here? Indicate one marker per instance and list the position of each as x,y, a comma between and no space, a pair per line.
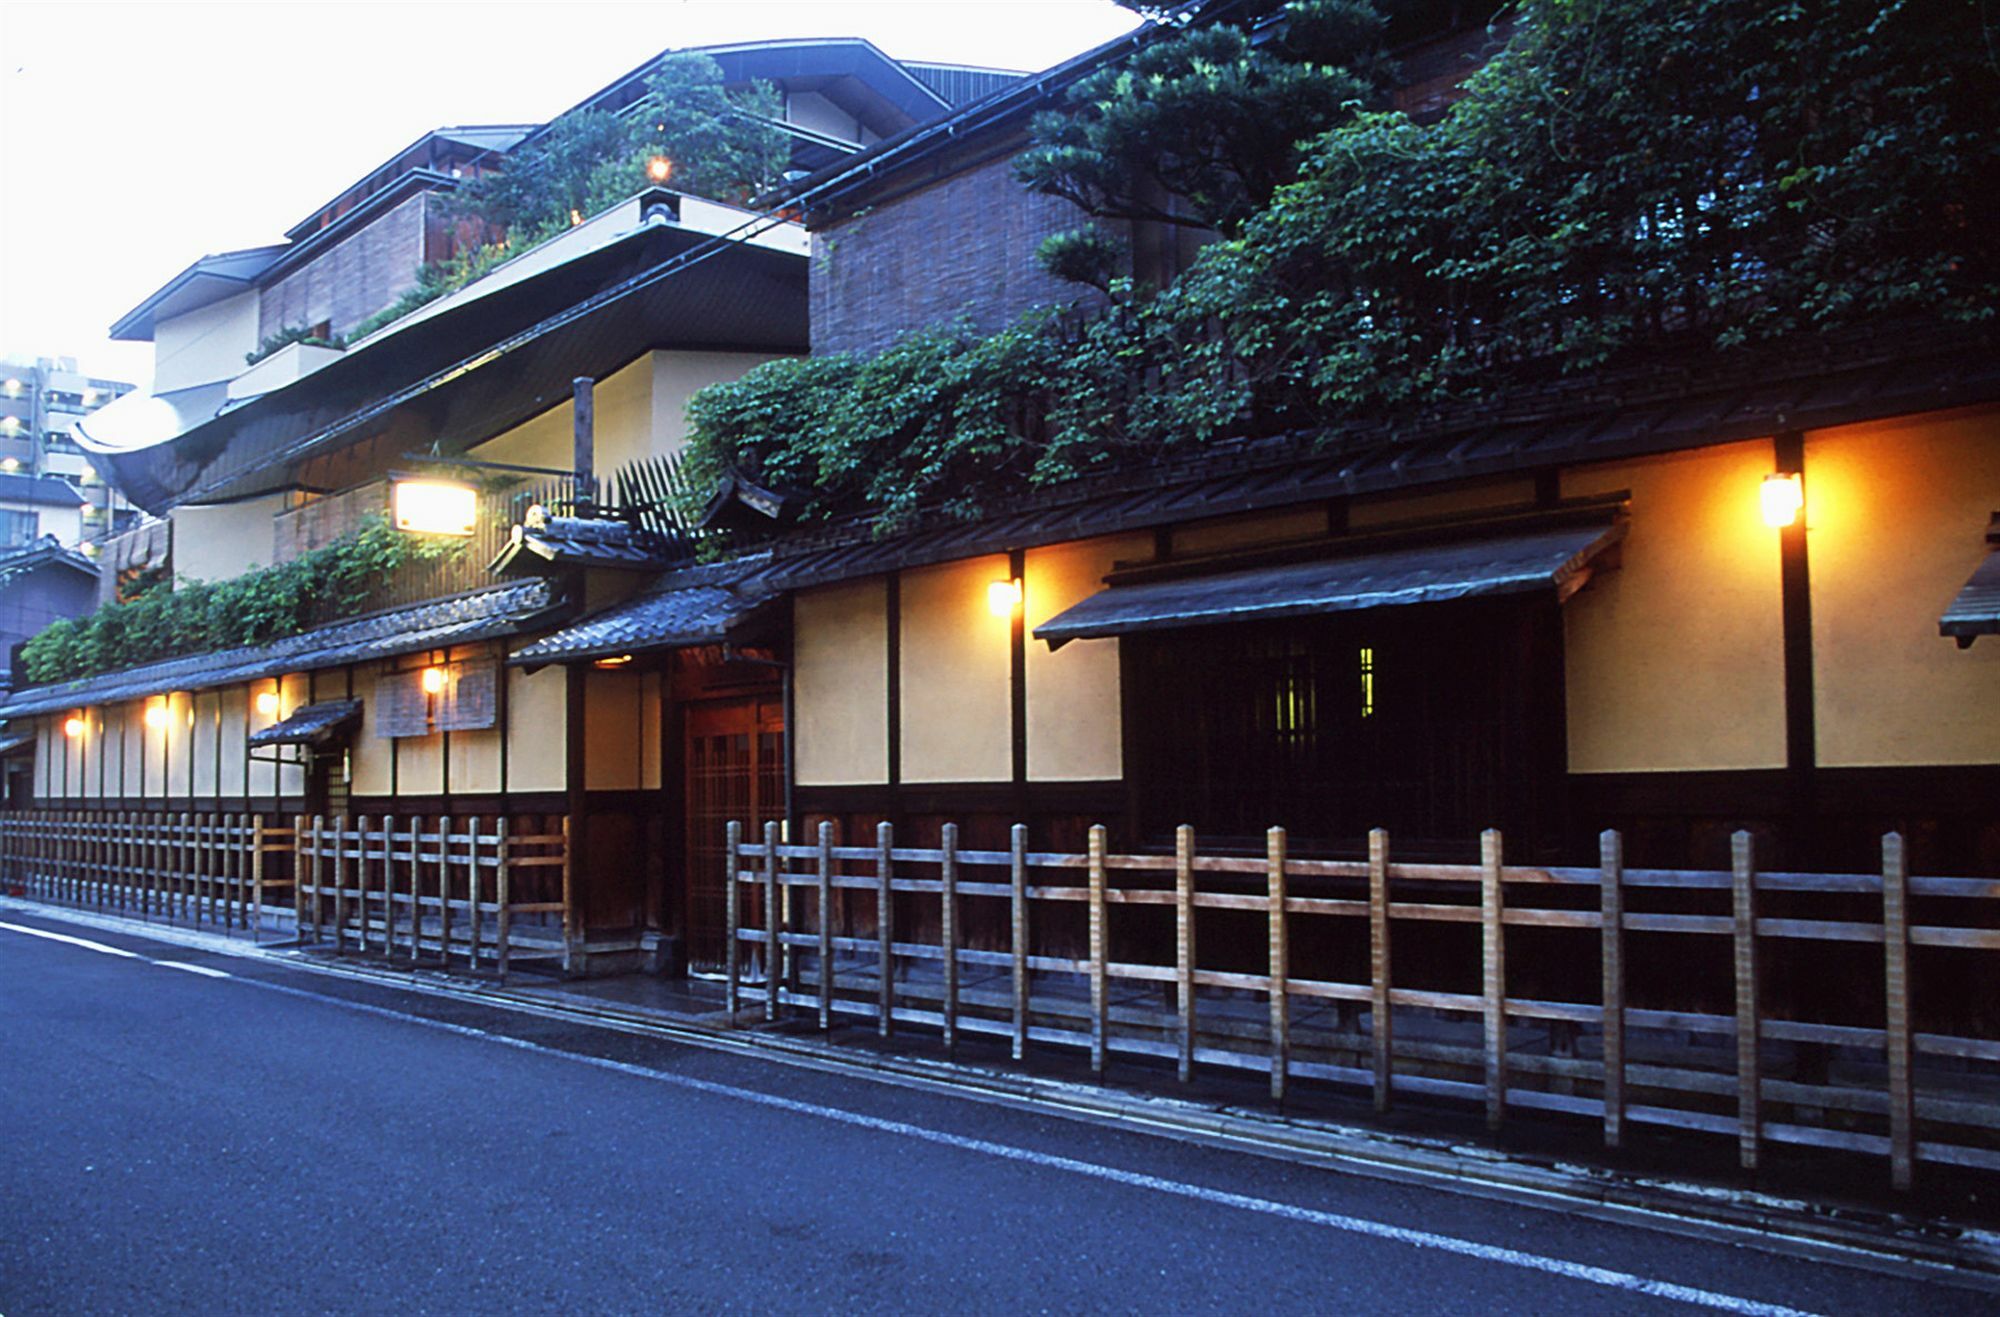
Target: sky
138,137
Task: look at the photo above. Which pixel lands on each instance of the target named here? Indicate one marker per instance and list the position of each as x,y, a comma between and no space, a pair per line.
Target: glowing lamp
1782,496
73,727
156,714
433,680
614,661
267,704
434,507
1003,597
659,169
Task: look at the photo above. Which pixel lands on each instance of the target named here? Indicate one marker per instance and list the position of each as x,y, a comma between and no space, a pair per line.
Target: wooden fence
841,921
407,887
483,891
214,868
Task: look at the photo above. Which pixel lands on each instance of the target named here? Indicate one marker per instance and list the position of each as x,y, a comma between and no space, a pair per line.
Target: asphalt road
181,1131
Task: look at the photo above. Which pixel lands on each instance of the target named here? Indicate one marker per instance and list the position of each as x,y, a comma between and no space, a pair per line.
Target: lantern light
1782,495
73,727
433,680
1003,597
659,169
434,507
267,704
156,714
614,660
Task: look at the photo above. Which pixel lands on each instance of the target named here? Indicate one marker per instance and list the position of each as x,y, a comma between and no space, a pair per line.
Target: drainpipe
583,411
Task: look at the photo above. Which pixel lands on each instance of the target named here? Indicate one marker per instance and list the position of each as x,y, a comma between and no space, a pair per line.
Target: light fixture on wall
74,727
1782,495
614,661
267,704
1003,597
433,680
156,713
433,507
659,169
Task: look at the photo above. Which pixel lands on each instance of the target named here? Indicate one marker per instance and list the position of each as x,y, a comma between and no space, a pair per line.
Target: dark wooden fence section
482,892
986,941
208,868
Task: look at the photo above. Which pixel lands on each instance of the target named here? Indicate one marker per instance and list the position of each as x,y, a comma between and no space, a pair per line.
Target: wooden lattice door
735,757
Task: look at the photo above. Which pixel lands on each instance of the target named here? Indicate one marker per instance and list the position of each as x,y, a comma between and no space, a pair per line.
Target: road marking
1627,1282
202,970
83,942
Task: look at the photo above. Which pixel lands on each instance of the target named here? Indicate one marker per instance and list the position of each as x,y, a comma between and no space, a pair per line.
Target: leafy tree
722,144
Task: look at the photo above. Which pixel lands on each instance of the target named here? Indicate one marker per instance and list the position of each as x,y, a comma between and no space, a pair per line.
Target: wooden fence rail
485,891
828,924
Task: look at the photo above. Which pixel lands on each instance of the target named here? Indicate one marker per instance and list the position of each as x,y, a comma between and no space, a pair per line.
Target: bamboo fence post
206,865
253,917
948,932
416,888
340,833
1017,896
503,846
1184,946
1743,890
472,919
1381,1013
1896,1007
444,896
1281,964
825,875
1494,945
885,990
1099,1018
773,961
299,854
1611,915
318,872
732,954
569,920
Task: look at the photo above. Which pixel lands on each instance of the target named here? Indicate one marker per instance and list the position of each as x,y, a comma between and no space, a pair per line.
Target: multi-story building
41,402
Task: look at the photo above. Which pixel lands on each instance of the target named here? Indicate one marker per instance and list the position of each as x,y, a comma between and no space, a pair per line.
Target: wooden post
318,870
340,834
1381,1011
885,858
571,925
732,951
1748,1066
503,848
1611,892
444,896
472,917
1184,946
1099,1003
773,947
824,872
416,887
1494,944
1896,979
948,932
1017,896
1281,962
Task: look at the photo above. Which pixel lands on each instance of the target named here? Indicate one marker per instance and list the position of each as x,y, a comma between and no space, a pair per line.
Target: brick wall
354,279
962,247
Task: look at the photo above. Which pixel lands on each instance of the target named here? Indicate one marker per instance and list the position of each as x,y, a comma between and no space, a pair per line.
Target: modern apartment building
41,401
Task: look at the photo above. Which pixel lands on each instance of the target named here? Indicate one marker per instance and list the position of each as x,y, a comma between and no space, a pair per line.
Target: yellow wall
840,684
1387,509
678,376
956,705
369,764
235,727
536,713
420,765
225,540
180,708
613,714
207,742
1896,518
1675,659
1073,701
475,762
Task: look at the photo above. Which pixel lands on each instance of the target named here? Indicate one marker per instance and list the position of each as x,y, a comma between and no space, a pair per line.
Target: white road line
1424,1239
83,942
202,970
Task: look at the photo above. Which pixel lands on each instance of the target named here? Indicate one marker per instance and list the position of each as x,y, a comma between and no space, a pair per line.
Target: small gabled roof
47,490
47,551
704,605
311,724
203,283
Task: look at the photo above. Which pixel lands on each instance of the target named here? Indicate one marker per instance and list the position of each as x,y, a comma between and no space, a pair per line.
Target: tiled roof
51,490
46,551
582,542
482,615
311,724
695,606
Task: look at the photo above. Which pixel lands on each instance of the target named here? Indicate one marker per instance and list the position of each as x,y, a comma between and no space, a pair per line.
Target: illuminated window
1367,682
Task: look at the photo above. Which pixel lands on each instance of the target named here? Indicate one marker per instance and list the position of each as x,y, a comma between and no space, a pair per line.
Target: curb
1930,1248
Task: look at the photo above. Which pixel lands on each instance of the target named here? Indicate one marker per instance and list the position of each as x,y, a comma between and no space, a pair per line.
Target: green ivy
255,608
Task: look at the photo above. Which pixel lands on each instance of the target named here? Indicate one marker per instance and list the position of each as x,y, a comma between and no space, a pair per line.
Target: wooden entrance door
735,758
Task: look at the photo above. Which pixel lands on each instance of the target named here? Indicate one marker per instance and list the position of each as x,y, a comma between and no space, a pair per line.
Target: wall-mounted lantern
611,661
659,169
74,727
434,680
433,507
1003,597
1782,495
156,713
267,704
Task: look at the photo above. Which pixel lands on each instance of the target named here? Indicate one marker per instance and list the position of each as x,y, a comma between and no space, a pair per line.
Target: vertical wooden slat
1184,946
773,945
502,895
885,860
570,924
341,833
416,887
824,872
1611,912
732,950
318,871
1896,981
1017,896
1381,1013
1281,962
1494,978
1099,1000
1743,891
948,931
473,922
443,822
